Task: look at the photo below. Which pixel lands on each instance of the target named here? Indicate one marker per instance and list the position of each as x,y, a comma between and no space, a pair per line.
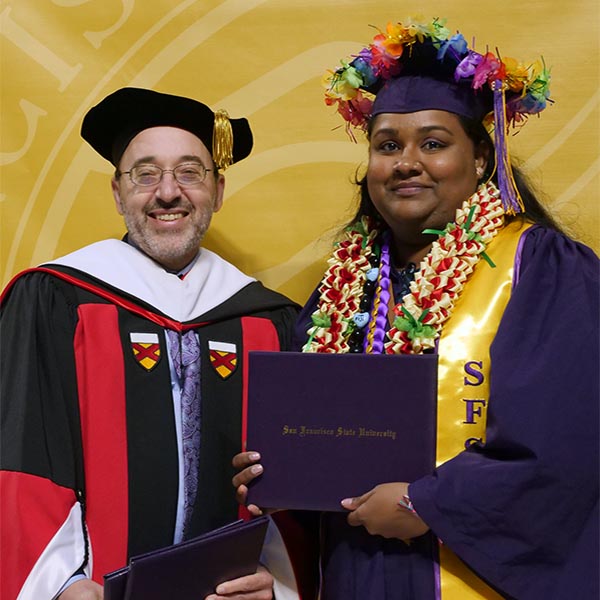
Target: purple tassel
511,199
384,298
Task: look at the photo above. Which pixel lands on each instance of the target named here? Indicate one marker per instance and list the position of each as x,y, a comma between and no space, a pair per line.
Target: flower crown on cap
517,90
353,86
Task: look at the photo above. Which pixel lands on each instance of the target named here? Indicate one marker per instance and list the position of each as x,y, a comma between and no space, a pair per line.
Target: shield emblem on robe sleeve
146,349
223,358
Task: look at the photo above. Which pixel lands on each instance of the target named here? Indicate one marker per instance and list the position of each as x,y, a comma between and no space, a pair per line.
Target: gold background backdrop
262,59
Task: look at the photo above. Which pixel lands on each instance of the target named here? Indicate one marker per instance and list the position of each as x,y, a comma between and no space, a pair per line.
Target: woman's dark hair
534,210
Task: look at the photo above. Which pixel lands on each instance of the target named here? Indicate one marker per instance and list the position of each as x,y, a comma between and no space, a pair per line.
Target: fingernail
256,469
254,456
347,502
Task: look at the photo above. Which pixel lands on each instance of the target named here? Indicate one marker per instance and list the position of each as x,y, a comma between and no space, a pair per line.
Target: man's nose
168,188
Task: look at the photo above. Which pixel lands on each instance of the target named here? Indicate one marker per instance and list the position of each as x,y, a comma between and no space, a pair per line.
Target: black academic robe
89,453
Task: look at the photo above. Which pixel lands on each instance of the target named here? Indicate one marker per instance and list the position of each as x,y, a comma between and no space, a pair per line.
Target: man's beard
168,247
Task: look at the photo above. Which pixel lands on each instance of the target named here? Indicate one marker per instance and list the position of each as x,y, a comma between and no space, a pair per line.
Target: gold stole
463,381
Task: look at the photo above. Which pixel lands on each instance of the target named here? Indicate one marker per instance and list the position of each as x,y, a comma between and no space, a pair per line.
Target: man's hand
252,587
379,513
247,465
84,589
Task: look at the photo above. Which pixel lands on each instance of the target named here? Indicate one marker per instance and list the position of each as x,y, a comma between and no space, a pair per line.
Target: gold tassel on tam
222,149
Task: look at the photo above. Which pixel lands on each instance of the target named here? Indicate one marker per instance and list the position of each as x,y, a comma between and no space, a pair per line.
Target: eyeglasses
186,174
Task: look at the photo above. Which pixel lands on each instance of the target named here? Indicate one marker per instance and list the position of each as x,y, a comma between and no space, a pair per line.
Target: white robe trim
59,560
210,282
275,558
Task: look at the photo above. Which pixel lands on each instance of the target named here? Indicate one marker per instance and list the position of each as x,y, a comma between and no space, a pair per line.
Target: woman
445,257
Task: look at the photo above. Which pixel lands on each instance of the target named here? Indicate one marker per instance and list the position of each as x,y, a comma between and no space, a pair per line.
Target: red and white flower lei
437,284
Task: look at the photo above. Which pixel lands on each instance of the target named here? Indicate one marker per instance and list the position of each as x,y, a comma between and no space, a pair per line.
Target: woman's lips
408,189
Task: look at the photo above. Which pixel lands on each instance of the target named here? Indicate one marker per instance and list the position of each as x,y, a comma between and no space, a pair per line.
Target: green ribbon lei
415,327
319,320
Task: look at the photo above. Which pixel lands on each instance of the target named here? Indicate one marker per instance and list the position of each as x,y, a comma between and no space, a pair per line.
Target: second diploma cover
332,426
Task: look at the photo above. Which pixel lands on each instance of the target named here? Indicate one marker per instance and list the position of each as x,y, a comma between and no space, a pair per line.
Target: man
123,363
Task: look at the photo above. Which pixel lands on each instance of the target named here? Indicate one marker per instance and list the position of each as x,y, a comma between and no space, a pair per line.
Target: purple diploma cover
332,426
193,569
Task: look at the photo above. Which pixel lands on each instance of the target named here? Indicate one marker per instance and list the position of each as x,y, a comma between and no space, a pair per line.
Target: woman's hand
379,512
252,587
247,465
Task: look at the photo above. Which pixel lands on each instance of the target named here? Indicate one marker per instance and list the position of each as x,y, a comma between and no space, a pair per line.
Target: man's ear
219,193
116,192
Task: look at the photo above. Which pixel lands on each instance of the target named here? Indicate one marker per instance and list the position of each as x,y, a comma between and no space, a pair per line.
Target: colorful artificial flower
365,69
392,43
456,46
517,74
489,69
385,65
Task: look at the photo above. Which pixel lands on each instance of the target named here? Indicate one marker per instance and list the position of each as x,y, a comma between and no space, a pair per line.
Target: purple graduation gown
521,510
